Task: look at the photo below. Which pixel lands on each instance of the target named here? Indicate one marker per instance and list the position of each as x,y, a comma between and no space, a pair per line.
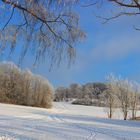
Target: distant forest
87,94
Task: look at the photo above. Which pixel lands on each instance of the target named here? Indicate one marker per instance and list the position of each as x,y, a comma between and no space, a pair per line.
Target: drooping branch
133,4
9,19
107,19
29,11
43,29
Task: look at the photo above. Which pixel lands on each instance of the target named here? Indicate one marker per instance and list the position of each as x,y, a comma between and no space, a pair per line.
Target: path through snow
64,122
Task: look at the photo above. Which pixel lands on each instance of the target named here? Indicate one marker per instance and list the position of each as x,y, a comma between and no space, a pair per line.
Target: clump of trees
23,87
123,94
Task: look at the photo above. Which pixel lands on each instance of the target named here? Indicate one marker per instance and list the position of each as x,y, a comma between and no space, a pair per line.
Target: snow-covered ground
64,122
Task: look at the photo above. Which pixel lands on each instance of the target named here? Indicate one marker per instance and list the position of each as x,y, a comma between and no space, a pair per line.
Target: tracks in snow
92,130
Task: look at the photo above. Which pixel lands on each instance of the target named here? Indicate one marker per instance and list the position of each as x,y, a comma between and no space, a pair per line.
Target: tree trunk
125,115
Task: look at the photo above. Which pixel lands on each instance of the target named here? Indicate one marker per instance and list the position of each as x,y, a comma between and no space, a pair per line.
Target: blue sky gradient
113,47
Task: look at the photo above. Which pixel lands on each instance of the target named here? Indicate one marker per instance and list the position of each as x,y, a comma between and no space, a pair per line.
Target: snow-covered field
64,122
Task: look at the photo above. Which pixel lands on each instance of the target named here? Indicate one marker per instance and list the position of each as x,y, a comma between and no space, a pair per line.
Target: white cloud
116,48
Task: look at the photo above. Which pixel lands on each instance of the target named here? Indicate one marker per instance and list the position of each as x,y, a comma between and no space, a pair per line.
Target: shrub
23,87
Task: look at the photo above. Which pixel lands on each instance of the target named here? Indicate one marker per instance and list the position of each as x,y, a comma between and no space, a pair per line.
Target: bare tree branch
9,19
50,29
121,3
118,15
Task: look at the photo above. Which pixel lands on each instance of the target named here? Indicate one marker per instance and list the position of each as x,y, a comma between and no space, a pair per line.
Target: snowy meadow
64,121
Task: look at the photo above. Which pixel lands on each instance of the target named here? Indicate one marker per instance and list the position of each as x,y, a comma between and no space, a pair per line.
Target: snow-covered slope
64,122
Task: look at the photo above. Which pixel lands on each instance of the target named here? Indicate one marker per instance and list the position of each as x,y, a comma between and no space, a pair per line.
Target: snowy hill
64,122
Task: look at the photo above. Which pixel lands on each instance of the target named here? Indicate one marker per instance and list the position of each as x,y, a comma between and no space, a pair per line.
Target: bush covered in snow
6,138
23,87
89,102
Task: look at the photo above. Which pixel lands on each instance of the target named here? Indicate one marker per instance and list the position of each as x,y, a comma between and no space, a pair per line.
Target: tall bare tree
124,96
134,99
110,95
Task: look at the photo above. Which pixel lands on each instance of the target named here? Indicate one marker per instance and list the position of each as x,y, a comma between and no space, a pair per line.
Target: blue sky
113,47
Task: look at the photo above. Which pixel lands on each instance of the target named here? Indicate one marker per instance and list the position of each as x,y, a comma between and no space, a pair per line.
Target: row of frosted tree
23,87
122,94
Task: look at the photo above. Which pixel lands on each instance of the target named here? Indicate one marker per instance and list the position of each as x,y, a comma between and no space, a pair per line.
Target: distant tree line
23,87
88,94
115,94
